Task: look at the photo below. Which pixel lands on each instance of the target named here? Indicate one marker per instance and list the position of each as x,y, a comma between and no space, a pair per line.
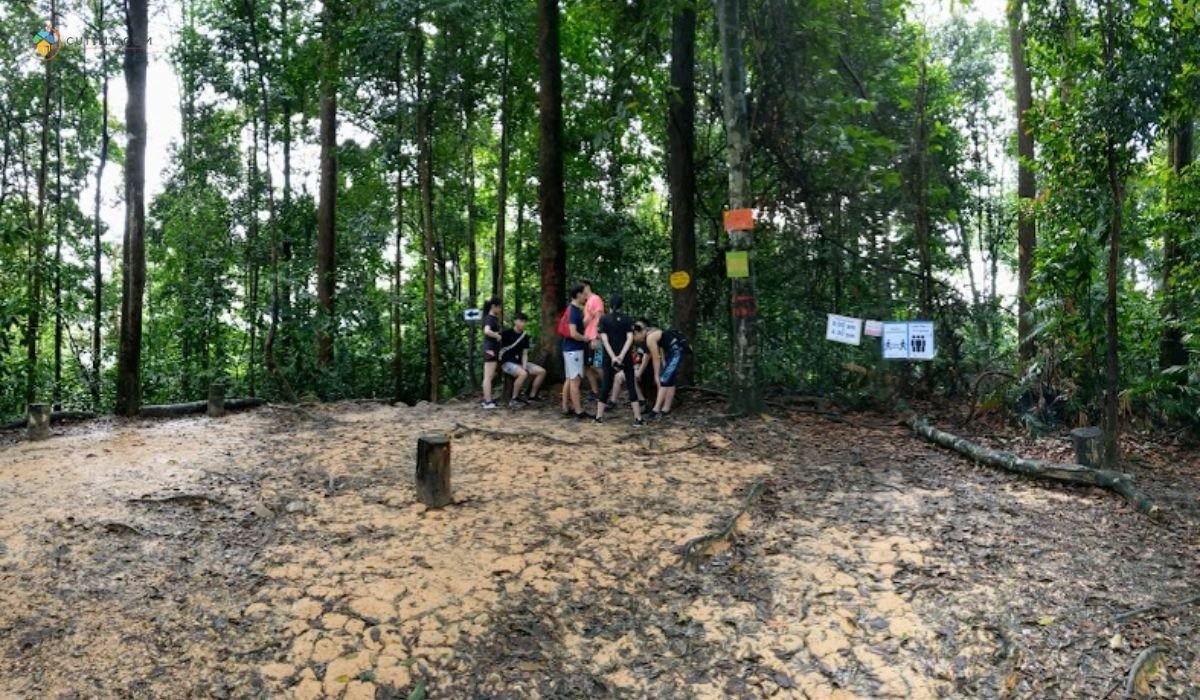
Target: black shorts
588,355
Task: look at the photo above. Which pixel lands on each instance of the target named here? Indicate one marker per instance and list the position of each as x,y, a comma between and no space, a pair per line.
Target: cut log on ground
1089,447
184,409
433,471
1077,474
56,417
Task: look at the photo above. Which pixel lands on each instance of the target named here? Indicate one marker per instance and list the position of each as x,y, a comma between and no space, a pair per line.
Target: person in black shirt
514,360
666,353
616,338
491,348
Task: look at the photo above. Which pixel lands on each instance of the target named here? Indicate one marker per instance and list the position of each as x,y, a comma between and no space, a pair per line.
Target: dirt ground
281,553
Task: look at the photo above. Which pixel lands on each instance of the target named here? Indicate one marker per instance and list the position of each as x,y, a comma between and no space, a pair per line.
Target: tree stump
1089,447
39,421
216,400
433,470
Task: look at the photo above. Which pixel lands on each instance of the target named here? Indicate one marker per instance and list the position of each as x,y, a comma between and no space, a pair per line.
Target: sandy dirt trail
281,553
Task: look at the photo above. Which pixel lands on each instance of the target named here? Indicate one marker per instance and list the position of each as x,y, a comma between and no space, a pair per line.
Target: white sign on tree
843,329
895,341
908,340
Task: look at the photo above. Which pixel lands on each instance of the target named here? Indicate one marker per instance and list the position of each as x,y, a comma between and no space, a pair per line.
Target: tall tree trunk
472,250
425,167
33,329
518,254
502,183
1172,351
1111,365
58,243
681,131
285,249
551,196
133,283
397,264
326,213
1026,187
745,396
97,251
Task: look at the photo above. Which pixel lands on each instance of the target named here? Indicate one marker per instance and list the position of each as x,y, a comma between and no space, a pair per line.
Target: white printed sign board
895,341
472,315
843,329
873,329
908,340
920,340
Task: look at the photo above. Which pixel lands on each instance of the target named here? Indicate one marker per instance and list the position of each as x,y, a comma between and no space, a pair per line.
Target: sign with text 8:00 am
843,329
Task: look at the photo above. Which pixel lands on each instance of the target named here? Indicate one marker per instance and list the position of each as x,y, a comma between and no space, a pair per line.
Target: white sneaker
489,404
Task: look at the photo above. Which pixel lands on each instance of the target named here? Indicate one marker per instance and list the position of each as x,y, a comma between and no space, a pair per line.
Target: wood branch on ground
190,499
56,417
1145,666
460,430
697,549
1125,617
1077,474
183,409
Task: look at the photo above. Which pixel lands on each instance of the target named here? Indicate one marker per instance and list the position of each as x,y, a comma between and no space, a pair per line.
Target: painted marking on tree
739,220
680,279
737,264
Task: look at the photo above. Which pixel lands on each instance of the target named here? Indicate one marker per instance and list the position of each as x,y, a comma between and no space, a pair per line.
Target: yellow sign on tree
680,279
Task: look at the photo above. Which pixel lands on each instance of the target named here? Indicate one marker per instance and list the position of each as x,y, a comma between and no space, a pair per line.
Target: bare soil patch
281,553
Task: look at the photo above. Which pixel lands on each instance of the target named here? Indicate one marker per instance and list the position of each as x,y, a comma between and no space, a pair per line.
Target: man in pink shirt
593,358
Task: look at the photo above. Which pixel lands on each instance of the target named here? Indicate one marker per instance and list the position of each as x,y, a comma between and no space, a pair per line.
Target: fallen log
1077,474
183,409
56,417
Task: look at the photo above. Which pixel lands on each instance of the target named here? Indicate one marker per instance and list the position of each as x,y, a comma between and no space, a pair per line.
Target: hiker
616,338
640,361
593,354
491,348
572,344
666,353
514,360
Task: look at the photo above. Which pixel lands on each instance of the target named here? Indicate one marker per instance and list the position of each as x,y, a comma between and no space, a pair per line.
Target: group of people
609,349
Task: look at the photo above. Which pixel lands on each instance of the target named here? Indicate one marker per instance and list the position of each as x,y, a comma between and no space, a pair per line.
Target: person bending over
514,360
666,353
491,348
616,338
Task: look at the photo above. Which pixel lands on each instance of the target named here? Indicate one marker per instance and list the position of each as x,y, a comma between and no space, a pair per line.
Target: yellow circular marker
680,279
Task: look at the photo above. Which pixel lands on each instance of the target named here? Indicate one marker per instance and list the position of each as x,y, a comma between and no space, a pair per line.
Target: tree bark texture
745,395
1026,185
551,196
681,130
133,282
326,211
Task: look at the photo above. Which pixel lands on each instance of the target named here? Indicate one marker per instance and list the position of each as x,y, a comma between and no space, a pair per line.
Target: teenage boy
572,351
616,338
666,352
593,354
514,360
491,348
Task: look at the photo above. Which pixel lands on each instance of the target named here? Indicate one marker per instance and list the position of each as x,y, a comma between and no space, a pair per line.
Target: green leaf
418,691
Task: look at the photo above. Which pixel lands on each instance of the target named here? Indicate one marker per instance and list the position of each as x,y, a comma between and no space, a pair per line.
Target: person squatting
612,350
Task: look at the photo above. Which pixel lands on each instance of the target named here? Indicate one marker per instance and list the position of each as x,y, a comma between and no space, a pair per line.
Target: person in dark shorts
514,361
491,348
616,338
666,353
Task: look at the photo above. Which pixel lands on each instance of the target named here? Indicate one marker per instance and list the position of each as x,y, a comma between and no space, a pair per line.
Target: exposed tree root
460,430
697,549
1039,469
1125,617
1149,656
191,499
